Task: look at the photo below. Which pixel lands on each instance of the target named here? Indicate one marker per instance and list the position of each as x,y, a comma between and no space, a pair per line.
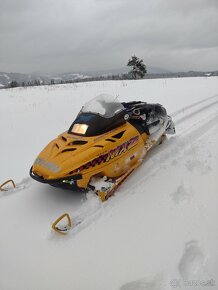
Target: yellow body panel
107,155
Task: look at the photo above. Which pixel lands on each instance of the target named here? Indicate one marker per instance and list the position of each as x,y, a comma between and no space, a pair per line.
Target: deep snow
160,226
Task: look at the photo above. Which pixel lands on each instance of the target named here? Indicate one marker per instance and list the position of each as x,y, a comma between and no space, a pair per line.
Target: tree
138,67
13,84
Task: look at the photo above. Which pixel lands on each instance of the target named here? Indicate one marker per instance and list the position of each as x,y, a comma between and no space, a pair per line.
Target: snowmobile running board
105,194
6,182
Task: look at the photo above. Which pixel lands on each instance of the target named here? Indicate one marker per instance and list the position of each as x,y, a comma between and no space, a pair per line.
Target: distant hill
7,78
157,70
150,70
33,79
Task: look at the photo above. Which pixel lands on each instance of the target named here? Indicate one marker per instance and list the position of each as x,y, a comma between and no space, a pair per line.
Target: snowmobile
105,143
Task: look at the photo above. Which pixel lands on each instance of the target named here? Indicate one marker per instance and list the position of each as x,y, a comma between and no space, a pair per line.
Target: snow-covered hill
160,229
7,78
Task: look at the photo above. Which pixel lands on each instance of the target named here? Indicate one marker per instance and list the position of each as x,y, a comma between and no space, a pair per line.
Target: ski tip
6,182
63,224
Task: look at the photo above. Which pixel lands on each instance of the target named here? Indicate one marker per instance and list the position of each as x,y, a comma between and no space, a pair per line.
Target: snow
6,76
158,231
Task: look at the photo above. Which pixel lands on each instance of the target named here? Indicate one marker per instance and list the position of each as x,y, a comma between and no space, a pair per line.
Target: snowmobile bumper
69,182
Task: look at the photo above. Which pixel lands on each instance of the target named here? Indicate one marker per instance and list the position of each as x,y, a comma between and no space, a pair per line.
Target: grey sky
87,35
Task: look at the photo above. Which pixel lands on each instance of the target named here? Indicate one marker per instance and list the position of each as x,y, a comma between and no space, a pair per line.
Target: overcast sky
53,36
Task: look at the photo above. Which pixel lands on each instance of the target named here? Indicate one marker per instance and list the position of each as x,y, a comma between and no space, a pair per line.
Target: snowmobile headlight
79,128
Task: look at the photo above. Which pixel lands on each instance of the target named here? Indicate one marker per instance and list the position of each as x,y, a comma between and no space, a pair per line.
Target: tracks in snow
193,105
23,184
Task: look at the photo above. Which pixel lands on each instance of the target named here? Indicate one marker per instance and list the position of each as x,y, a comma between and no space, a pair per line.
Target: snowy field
159,231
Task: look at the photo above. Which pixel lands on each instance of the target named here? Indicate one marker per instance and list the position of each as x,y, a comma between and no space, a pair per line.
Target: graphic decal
110,155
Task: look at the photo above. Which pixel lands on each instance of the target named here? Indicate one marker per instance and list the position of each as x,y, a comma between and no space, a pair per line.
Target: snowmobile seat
147,116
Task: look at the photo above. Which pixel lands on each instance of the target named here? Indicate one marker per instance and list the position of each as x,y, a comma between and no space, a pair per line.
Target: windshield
104,105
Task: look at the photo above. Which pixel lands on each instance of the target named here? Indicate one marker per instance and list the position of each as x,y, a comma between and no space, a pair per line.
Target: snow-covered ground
159,232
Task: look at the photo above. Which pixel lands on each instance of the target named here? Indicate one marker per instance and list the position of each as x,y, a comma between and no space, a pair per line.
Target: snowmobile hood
70,154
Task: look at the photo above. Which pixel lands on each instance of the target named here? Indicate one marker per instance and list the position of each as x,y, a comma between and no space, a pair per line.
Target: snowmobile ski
61,228
2,186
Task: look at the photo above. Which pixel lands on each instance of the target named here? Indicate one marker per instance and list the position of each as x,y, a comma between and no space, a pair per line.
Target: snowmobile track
174,114
196,112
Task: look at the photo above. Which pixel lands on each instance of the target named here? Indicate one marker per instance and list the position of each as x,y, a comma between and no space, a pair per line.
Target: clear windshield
104,105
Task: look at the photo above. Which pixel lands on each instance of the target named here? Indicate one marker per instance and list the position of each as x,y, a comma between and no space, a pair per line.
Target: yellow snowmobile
105,143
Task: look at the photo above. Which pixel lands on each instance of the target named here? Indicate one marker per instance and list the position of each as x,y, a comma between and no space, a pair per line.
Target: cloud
80,35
